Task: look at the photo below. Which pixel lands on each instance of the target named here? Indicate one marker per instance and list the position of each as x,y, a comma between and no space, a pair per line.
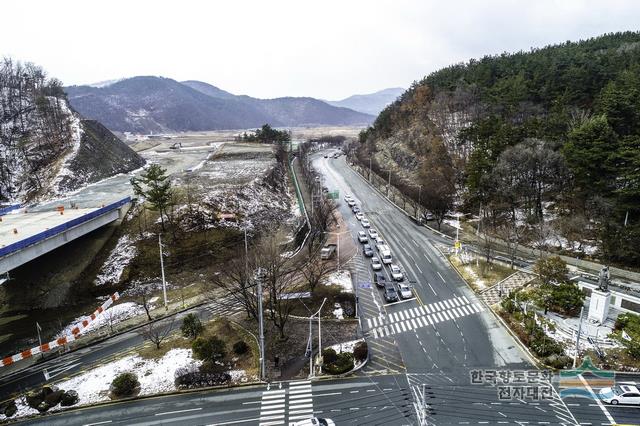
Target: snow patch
112,315
342,279
118,259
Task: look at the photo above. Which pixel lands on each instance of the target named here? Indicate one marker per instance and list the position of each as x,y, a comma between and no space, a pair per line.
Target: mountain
157,104
372,103
46,148
208,89
548,140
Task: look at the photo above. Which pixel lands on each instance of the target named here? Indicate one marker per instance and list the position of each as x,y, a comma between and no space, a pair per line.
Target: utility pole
164,284
575,357
389,183
38,328
311,369
419,202
260,275
369,169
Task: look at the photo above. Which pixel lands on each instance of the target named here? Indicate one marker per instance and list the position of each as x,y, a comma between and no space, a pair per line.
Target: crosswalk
422,316
222,309
280,404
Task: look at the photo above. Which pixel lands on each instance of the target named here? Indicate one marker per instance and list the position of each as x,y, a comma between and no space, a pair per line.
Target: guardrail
8,209
19,245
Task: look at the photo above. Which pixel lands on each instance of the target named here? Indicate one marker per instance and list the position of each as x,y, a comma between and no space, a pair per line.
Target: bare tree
437,177
280,275
144,301
156,333
236,282
315,270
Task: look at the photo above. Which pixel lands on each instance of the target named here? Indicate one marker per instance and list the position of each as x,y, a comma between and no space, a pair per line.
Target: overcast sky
268,48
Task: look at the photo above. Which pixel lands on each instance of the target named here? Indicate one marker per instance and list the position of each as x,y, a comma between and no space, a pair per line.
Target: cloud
327,49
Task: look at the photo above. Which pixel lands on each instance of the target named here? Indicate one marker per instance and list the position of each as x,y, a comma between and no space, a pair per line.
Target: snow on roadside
118,259
155,376
348,347
342,279
113,314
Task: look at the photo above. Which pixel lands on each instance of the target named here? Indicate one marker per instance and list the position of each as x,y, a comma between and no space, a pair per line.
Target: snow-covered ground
111,271
347,347
342,279
155,376
111,315
479,282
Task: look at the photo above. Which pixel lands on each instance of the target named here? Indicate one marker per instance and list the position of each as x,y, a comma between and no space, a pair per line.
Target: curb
138,398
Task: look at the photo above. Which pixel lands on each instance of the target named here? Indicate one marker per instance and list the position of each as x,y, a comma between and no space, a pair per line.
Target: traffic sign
334,195
457,245
364,285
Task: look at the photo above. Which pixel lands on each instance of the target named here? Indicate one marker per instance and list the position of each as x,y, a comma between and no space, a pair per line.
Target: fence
8,209
19,245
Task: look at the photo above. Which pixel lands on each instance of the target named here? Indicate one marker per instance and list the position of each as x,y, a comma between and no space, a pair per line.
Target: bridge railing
19,245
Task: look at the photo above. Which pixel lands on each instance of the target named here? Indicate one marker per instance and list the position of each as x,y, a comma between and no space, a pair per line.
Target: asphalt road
71,363
445,333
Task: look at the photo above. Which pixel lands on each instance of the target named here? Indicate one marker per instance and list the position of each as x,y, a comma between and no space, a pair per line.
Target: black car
367,250
380,279
390,293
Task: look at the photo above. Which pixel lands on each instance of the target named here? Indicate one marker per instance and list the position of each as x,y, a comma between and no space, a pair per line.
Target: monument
600,297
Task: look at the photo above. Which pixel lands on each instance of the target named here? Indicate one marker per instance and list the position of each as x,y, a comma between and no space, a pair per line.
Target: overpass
25,236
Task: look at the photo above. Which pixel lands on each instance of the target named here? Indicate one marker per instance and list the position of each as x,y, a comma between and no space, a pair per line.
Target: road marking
414,242
594,396
431,287
446,303
438,272
413,321
99,423
426,257
178,411
418,268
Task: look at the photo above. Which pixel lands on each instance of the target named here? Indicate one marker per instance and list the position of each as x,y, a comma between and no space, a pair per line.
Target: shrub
10,408
69,398
125,384
329,356
209,349
567,298
240,347
191,326
360,351
342,364
558,361
193,379
544,346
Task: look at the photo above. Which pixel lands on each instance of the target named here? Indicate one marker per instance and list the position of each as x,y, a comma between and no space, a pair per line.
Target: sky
270,48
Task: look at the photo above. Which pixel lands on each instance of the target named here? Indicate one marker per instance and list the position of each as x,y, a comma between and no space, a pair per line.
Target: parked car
405,291
359,215
367,250
621,394
373,234
376,265
355,209
390,293
351,202
326,156
428,216
365,222
379,279
385,255
328,251
396,273
348,197
362,237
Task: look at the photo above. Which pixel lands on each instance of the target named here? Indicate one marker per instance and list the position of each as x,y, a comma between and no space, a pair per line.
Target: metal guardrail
19,245
8,209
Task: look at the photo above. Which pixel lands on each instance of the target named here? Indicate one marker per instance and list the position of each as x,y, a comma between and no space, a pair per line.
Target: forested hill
46,148
551,136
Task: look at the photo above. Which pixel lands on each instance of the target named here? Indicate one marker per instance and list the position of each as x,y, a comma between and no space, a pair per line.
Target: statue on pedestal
604,279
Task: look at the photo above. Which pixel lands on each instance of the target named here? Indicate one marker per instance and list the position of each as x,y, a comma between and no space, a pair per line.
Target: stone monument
600,297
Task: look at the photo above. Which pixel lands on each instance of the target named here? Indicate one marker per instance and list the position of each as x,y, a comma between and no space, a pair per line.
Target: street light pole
311,369
164,284
575,357
389,183
260,274
419,201
369,169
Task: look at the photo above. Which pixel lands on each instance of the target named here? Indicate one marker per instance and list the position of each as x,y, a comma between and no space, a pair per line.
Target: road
86,358
445,333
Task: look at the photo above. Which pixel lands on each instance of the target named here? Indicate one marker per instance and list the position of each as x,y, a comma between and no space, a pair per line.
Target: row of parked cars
381,256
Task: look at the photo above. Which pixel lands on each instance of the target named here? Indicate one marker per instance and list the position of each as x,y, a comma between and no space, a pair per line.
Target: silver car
375,263
405,291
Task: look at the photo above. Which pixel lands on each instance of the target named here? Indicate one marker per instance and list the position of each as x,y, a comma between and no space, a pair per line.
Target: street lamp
419,200
369,169
389,183
311,369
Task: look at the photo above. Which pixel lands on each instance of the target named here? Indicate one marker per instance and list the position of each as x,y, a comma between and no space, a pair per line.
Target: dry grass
489,274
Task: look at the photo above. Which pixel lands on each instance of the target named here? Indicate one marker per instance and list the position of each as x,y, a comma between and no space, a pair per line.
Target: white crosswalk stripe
300,401
272,407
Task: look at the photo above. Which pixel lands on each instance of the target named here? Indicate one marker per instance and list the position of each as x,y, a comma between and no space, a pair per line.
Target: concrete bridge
25,236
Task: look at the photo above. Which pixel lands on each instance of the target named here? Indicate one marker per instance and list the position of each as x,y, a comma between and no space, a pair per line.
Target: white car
359,215
373,234
348,198
620,394
375,264
314,421
396,273
362,237
365,222
405,291
380,244
351,202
